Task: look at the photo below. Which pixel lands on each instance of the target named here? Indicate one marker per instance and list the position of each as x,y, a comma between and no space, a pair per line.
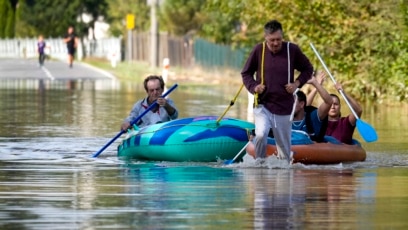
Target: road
28,69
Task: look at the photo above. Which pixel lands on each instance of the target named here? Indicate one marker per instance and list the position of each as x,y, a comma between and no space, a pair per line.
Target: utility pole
154,41
130,25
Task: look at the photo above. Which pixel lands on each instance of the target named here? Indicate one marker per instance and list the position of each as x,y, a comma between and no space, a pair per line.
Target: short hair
301,96
153,77
272,26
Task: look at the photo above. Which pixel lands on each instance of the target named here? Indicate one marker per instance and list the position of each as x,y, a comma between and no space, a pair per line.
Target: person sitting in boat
342,128
308,118
164,111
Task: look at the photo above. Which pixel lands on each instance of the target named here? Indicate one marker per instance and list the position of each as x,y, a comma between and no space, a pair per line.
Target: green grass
137,71
126,71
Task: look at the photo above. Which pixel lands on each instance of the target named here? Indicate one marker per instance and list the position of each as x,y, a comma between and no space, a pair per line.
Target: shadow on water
48,179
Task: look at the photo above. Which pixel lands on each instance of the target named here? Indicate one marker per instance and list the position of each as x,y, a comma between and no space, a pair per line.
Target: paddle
227,162
231,104
366,130
134,121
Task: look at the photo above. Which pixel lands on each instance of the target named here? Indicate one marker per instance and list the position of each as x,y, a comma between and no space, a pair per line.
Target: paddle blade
366,131
227,162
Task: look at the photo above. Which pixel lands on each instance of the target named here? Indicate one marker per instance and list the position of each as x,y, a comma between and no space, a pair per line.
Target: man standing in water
72,41
274,62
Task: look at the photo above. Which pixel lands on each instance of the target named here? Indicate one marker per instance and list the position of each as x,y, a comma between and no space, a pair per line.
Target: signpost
130,25
130,21
154,35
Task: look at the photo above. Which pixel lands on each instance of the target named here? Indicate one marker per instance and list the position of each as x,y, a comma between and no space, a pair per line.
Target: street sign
130,21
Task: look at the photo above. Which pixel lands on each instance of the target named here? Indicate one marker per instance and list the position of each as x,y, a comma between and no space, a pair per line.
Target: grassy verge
137,71
125,71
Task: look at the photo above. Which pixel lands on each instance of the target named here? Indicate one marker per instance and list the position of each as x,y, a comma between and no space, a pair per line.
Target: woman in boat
164,111
342,128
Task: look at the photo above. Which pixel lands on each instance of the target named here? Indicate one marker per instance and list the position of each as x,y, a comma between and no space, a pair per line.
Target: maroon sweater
341,129
275,98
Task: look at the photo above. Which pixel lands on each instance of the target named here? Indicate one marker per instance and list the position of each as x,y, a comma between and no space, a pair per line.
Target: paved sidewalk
20,69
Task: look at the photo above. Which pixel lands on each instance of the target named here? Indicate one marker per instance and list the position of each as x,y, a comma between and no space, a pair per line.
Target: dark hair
334,95
301,96
153,77
272,26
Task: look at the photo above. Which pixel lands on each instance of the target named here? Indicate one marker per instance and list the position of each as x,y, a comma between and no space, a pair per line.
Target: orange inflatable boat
306,151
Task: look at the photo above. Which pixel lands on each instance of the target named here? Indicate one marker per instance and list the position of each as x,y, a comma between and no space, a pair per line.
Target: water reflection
80,192
92,108
165,195
288,198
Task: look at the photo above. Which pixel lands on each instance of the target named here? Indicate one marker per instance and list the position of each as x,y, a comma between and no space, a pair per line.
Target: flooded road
48,180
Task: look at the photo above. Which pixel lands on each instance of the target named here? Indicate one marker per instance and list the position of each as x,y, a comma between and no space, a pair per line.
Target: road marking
49,75
103,72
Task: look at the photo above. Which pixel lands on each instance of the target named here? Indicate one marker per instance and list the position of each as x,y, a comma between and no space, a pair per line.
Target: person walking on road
72,41
40,49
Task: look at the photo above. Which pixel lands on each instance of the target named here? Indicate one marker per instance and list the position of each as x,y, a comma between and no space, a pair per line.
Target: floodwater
48,180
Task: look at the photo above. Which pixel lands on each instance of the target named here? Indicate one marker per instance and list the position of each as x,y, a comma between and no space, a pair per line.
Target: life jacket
318,137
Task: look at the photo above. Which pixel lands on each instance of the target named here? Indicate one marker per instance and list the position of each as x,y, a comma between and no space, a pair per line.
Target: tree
7,12
118,9
180,17
361,41
52,18
95,10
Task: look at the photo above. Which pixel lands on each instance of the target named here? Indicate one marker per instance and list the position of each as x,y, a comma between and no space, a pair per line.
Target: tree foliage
52,18
7,10
223,21
96,9
118,10
362,42
180,17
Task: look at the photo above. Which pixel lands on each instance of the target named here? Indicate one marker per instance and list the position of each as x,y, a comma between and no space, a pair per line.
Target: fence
210,55
56,48
182,51
178,49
